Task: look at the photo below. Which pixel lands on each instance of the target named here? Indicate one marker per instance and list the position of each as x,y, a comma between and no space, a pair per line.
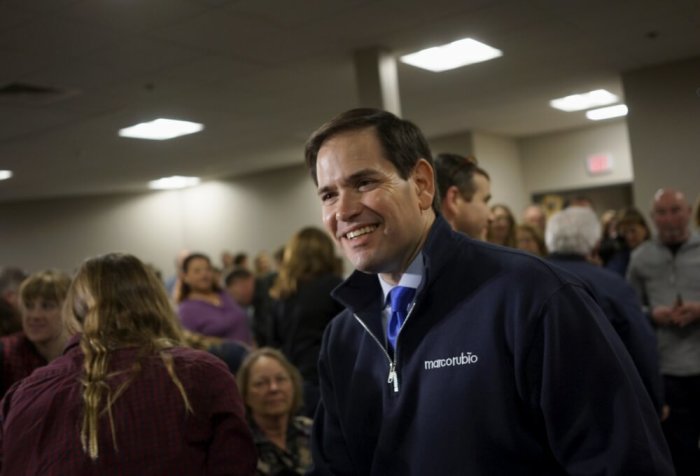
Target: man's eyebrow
325,189
350,180
362,175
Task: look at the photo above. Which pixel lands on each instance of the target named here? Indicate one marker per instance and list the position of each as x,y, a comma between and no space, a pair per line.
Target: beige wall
260,212
254,213
558,161
500,157
664,124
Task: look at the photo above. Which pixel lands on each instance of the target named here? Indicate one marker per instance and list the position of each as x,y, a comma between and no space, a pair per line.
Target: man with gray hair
571,236
666,272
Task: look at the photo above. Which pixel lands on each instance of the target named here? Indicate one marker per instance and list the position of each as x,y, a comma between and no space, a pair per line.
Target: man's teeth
360,231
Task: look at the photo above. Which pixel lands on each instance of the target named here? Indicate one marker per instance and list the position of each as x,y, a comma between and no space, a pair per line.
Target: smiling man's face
380,219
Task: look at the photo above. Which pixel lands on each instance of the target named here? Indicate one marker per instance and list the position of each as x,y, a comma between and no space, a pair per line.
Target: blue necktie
399,297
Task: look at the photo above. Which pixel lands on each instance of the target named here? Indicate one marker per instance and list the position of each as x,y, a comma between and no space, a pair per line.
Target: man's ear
424,179
449,202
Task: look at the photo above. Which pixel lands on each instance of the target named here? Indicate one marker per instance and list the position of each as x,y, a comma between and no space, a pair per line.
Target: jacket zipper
393,378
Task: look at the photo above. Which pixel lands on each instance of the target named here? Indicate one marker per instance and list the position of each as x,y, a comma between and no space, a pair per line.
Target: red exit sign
598,164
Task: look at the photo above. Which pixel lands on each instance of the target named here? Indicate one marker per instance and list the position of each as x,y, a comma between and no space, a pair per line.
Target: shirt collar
411,278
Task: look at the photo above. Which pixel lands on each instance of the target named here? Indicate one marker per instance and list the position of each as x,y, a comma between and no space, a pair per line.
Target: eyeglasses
278,380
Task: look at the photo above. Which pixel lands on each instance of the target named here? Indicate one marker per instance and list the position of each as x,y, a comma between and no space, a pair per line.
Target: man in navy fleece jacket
503,366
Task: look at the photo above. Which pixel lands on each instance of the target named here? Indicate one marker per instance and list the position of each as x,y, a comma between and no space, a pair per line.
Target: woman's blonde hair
47,285
243,376
120,303
510,218
310,253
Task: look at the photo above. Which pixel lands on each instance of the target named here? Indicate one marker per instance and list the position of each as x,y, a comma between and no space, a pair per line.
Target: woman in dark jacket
304,306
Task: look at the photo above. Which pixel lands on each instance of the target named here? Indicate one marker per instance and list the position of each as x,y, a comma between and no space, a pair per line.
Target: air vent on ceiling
25,93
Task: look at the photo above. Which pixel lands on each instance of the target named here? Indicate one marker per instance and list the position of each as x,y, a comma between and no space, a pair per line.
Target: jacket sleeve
638,336
330,452
597,415
637,284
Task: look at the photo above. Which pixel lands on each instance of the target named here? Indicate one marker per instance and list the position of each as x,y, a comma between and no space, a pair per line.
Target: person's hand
665,412
686,313
661,315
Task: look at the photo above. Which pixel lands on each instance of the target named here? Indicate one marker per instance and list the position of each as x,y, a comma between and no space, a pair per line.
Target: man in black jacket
455,356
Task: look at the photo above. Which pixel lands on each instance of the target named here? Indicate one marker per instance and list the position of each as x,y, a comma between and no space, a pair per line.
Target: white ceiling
263,74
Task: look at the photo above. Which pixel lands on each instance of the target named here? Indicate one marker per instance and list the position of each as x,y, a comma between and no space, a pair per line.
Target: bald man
666,273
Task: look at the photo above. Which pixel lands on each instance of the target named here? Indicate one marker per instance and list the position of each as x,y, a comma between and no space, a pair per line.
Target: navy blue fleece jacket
505,366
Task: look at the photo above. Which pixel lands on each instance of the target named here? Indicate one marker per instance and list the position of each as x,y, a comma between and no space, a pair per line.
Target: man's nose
348,206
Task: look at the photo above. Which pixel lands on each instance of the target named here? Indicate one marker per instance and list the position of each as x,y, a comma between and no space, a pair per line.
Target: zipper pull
393,378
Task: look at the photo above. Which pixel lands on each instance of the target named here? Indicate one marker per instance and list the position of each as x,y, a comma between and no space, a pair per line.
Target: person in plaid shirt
43,336
126,397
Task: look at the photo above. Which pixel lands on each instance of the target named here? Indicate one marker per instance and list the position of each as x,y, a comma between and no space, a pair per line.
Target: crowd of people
466,340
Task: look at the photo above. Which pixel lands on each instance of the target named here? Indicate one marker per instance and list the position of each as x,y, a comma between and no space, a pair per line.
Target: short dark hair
457,170
185,289
237,274
402,141
239,259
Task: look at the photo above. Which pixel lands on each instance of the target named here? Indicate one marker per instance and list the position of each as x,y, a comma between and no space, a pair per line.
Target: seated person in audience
204,308
534,215
502,226
44,336
304,305
263,303
571,237
172,283
230,351
10,279
271,389
529,238
226,261
263,264
633,230
610,242
126,397
240,285
240,260
465,191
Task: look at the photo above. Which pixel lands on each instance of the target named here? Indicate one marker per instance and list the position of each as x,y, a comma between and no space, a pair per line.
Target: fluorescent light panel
453,55
5,174
609,112
579,102
172,183
161,129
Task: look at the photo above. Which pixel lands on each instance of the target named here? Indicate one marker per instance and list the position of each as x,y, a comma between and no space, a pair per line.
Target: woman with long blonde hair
126,397
304,307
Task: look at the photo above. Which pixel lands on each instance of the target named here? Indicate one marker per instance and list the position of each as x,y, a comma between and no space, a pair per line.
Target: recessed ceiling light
609,112
451,56
174,182
161,129
5,174
578,102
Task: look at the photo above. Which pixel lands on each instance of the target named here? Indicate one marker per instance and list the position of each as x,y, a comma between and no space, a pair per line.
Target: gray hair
573,230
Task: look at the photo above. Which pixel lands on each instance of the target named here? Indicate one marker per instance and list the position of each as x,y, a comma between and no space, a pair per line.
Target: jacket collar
362,293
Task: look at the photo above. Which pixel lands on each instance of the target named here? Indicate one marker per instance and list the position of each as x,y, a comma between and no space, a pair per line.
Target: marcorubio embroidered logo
461,359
